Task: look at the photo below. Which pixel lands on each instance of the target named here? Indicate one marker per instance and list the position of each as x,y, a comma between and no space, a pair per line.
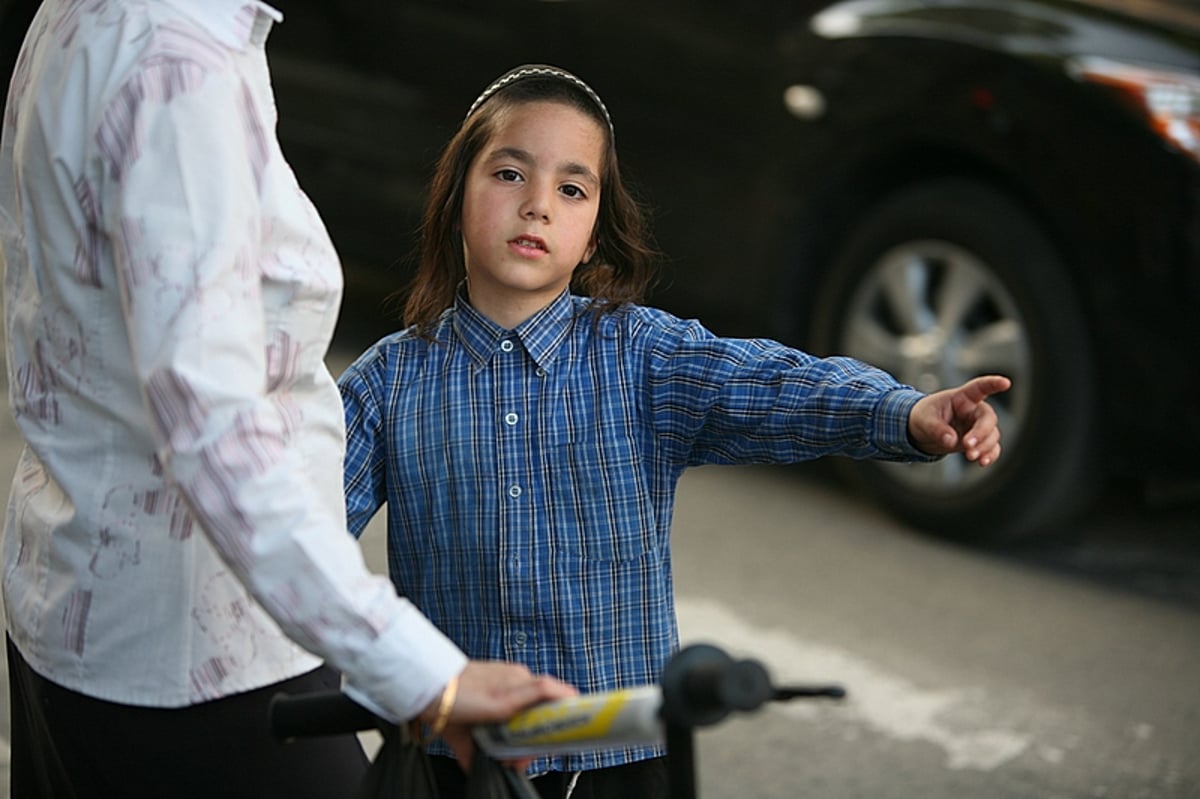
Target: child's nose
537,204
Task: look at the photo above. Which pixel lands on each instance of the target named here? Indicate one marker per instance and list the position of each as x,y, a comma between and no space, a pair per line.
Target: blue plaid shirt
530,474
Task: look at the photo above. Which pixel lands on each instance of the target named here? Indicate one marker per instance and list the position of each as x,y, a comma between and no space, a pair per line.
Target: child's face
529,209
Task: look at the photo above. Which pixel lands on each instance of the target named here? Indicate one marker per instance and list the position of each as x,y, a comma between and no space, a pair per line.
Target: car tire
944,281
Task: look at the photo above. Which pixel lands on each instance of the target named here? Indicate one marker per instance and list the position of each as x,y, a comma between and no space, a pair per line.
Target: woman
175,546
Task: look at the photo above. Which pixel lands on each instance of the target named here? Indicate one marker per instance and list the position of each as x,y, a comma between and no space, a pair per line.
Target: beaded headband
540,71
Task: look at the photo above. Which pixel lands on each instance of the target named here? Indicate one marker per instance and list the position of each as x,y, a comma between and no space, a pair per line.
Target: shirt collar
541,334
237,23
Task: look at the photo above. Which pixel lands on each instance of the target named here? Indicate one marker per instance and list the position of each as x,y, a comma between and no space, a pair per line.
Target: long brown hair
623,267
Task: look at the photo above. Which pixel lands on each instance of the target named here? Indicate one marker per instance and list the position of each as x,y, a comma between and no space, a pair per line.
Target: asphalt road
1067,669
1064,668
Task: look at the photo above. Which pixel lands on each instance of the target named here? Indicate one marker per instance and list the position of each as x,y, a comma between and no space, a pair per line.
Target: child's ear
591,250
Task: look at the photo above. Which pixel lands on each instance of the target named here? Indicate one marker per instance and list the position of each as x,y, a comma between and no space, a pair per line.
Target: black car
941,187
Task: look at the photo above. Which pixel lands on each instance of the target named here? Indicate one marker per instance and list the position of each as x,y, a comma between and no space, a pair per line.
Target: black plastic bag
488,779
400,769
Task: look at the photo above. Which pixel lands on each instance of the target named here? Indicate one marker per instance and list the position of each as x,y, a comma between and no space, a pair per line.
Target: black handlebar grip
732,685
745,685
702,685
315,714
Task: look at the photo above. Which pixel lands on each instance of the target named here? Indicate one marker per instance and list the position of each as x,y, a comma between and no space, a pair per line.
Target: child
528,440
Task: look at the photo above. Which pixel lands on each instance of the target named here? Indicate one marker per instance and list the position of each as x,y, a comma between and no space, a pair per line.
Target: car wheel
945,281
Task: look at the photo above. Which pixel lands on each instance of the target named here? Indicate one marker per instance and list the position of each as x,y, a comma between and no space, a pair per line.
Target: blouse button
514,491
510,419
506,345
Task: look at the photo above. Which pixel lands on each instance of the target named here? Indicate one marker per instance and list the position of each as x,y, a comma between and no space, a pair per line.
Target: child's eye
509,175
574,192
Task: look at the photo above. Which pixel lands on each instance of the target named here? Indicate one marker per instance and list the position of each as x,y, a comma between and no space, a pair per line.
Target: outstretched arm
960,420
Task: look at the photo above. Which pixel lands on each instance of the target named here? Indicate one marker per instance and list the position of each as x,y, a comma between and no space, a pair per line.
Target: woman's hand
486,692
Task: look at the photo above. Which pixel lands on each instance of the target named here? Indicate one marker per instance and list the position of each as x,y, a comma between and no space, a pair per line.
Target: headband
540,71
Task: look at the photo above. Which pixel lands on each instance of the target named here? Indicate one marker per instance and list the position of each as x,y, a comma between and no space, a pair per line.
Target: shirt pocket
601,505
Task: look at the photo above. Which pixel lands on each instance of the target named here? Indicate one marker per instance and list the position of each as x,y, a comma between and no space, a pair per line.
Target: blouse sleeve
184,161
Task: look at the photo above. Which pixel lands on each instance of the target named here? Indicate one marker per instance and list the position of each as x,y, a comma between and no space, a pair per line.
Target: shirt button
514,491
506,345
510,419
519,638
541,372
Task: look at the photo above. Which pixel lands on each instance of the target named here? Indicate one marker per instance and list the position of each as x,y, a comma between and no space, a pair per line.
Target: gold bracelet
449,694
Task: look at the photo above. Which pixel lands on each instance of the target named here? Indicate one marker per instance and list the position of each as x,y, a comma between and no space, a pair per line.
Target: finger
459,739
935,436
552,688
976,446
949,434
980,388
535,691
991,456
981,423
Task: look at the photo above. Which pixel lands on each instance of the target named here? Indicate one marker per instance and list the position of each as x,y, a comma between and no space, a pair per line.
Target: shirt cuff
890,427
406,668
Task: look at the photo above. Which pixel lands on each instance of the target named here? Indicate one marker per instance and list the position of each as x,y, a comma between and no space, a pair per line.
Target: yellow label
571,720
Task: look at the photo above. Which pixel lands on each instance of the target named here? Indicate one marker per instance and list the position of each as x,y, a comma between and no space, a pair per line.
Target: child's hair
622,268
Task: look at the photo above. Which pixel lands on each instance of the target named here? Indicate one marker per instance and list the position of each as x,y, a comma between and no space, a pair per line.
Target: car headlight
1169,100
